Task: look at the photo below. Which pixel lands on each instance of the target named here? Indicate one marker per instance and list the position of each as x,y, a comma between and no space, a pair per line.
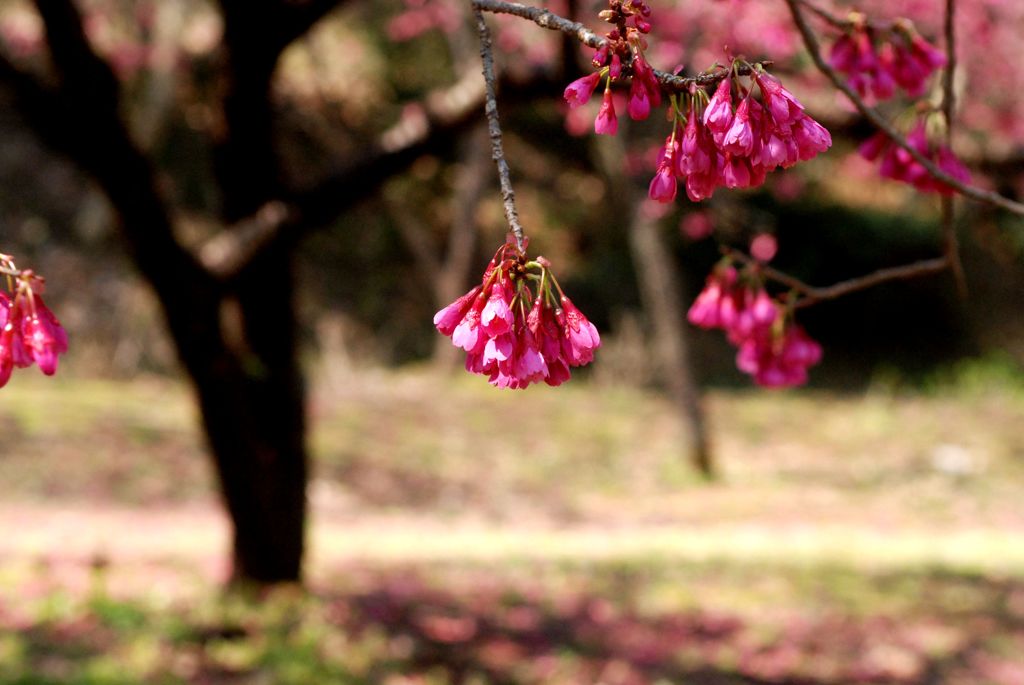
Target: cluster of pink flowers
29,332
877,61
512,337
898,164
622,54
717,144
772,348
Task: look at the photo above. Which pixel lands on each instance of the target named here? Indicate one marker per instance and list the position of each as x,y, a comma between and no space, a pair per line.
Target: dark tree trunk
239,349
253,413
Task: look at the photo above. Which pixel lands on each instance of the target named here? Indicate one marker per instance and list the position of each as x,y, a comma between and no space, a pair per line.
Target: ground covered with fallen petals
870,538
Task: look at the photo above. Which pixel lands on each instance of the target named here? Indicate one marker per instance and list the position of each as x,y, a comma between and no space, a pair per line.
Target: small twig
229,251
549,20
813,295
948,93
895,273
827,17
494,129
844,24
872,115
951,244
791,282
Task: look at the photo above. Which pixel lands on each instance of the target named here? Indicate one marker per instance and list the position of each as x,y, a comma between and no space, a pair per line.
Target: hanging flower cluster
898,164
29,332
622,54
878,60
772,348
513,336
713,144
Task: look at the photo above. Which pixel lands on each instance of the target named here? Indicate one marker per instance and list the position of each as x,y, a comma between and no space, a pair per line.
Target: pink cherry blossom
718,115
643,73
6,340
780,103
579,91
580,336
43,336
663,185
29,332
877,61
898,164
607,122
739,139
639,102
467,334
448,318
615,68
496,317
811,137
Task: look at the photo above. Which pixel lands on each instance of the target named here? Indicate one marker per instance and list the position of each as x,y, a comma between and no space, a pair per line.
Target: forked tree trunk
236,336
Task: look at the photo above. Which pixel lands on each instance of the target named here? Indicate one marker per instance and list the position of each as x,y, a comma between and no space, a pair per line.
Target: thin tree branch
896,273
951,245
549,20
813,295
543,18
429,127
872,115
826,16
855,19
508,196
948,93
226,253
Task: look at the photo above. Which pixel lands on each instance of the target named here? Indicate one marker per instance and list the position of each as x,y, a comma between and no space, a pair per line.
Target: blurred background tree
288,175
